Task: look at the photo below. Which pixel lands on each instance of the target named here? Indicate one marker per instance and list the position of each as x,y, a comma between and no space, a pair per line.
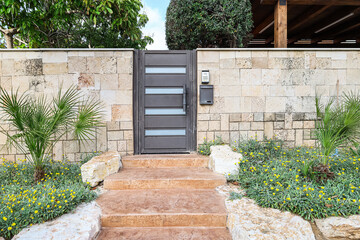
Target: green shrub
204,148
24,202
279,182
208,24
40,123
339,125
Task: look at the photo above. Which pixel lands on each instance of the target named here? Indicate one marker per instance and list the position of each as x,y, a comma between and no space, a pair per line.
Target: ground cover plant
24,201
279,178
204,148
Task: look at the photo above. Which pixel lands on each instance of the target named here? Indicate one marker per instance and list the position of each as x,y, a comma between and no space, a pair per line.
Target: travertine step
165,161
162,208
164,178
175,233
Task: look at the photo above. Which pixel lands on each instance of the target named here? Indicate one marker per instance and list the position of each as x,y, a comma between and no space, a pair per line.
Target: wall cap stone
278,49
65,49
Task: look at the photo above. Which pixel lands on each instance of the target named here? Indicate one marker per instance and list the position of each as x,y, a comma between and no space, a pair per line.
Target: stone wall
258,92
105,74
271,92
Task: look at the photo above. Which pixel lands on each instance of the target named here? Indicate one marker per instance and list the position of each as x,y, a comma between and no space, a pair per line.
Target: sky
155,28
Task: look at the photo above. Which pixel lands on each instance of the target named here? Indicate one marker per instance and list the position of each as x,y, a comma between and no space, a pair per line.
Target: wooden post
280,24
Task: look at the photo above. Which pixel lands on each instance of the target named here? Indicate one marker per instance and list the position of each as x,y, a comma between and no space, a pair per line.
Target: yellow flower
13,224
5,219
36,211
311,209
9,228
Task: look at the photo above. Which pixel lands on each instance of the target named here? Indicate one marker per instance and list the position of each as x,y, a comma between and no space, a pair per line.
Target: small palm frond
339,125
13,107
64,108
88,119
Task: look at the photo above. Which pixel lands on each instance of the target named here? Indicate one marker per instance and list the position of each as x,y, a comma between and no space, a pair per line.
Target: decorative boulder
340,228
99,167
82,224
248,221
223,159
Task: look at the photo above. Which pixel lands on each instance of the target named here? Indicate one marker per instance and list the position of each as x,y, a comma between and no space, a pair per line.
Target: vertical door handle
184,98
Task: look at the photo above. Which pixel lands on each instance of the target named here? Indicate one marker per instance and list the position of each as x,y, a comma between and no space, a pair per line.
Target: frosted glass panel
165,132
164,111
164,91
165,70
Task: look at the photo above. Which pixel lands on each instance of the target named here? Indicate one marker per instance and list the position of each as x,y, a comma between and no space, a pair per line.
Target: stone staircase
163,197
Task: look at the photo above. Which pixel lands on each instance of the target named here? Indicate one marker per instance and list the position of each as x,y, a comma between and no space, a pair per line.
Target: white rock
247,221
99,167
339,227
223,159
82,224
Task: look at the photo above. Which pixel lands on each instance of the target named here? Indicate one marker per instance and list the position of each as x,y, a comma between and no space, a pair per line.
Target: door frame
138,77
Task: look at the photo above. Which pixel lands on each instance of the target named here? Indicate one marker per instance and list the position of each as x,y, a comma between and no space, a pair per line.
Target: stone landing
163,197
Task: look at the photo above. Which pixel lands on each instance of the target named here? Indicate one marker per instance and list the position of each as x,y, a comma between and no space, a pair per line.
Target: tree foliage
208,23
76,23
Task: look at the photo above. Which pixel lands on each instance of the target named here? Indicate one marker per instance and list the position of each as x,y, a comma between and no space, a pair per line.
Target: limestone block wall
106,74
270,92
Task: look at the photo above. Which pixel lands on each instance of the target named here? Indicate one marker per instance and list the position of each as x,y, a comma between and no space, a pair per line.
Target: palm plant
39,124
339,125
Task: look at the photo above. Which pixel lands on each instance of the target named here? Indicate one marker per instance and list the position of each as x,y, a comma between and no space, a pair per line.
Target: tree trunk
9,40
9,33
39,174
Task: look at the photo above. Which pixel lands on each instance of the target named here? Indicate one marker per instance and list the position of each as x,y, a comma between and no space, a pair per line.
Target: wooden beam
310,15
267,21
328,19
280,24
316,2
345,27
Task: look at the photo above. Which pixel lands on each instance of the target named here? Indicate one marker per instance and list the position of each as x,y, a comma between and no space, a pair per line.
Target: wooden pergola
306,23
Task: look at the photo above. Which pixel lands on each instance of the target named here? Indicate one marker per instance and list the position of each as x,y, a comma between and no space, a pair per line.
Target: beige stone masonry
270,92
104,74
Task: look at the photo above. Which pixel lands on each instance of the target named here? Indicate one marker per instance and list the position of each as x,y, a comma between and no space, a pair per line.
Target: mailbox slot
206,94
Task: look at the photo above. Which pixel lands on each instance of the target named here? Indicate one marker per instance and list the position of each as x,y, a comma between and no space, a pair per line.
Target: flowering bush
278,181
24,202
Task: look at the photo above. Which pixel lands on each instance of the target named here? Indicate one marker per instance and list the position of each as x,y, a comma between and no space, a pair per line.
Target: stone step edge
156,228
166,156
107,233
165,220
165,179
167,163
162,184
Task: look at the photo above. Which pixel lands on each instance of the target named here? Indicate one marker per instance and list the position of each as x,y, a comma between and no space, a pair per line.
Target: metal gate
165,101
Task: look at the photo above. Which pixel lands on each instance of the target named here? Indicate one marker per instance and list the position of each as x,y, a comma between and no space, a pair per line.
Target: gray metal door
165,102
